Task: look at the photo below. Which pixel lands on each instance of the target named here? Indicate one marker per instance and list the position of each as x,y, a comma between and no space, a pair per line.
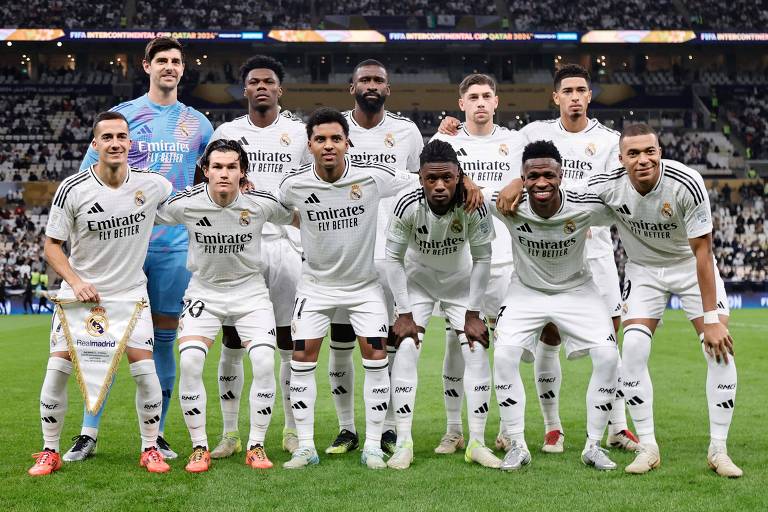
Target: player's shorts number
195,309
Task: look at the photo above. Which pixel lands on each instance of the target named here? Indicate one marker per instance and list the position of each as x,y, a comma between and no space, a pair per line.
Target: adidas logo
312,199
461,152
525,228
204,222
451,392
339,391
96,208
381,407
265,412
720,305
549,395
229,395
482,409
404,410
624,210
619,393
423,230
192,412
635,400
271,332
726,405
507,403
604,407
383,329
611,337
152,421
299,405
49,419
243,141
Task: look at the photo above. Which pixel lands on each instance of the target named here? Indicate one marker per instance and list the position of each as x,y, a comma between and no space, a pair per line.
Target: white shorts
341,317
142,337
283,270
501,274
647,290
198,320
578,313
317,305
428,288
606,277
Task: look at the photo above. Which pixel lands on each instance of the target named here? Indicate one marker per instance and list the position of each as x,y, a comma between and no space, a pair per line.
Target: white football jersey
224,242
440,242
593,150
655,228
492,161
550,253
108,228
396,142
338,220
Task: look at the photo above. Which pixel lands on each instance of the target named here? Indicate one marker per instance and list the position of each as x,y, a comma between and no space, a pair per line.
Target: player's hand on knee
718,342
404,328
509,197
449,126
475,330
85,292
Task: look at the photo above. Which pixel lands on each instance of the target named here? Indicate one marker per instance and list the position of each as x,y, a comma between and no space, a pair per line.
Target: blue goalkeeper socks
165,363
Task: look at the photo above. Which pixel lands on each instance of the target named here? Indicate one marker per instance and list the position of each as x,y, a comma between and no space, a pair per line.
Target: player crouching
437,233
227,288
105,263
552,283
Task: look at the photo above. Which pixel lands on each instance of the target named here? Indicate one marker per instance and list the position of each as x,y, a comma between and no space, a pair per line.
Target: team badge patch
139,199
456,226
569,227
389,140
183,129
666,211
356,192
285,140
244,218
591,149
503,149
96,323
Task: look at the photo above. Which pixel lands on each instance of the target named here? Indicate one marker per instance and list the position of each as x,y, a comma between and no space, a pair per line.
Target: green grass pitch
113,480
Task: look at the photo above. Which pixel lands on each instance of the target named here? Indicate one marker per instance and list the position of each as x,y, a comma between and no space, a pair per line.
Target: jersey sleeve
218,133
414,156
400,225
481,226
613,162
171,212
206,134
61,218
274,211
695,204
516,146
391,182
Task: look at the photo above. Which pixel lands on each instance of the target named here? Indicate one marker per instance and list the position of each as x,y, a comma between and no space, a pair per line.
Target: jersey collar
493,132
352,120
563,199
347,164
92,170
273,123
591,124
234,201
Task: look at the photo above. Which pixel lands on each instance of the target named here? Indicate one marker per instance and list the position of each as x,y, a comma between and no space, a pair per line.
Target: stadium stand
63,14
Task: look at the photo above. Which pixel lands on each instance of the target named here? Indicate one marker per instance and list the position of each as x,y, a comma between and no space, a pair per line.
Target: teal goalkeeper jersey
165,139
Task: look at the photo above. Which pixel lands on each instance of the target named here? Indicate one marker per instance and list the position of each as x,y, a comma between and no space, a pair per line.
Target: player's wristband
710,317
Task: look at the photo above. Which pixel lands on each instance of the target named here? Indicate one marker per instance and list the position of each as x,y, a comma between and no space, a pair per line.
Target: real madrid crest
356,192
285,140
503,149
569,227
666,211
96,323
139,199
591,149
456,226
244,218
183,129
389,140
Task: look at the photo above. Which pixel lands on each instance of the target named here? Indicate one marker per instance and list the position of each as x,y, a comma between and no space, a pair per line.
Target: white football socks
510,392
341,375
262,395
549,377
53,401
192,394
285,387
477,387
601,392
721,396
453,376
376,397
636,381
303,398
404,383
231,379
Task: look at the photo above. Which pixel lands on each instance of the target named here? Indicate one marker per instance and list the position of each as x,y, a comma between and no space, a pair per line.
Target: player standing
227,288
429,224
338,202
276,142
490,155
380,137
552,283
167,137
664,219
104,263
587,147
